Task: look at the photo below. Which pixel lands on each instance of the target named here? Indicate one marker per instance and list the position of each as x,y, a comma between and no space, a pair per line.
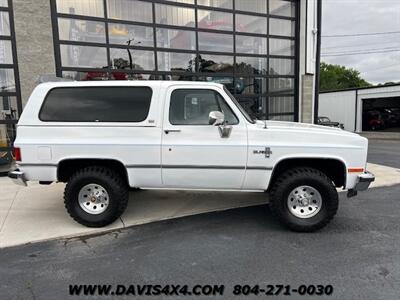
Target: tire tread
113,178
299,173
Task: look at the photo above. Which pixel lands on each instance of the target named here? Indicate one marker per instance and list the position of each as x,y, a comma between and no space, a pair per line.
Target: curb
393,136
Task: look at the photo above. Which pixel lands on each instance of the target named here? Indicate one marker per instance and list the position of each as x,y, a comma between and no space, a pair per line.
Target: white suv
104,137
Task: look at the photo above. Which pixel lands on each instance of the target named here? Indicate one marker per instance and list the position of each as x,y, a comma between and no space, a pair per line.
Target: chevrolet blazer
105,138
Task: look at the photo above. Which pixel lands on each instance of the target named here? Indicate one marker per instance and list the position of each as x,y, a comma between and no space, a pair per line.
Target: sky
349,17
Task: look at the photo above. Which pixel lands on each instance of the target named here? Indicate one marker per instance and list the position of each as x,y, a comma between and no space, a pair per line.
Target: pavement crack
123,223
85,242
8,211
383,272
31,291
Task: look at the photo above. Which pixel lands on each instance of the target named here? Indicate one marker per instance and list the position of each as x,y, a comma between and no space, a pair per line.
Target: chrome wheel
304,202
93,198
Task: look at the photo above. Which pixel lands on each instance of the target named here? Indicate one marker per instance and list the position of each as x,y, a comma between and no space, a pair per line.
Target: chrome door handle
171,130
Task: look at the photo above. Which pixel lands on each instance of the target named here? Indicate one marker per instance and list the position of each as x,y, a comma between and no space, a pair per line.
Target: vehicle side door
193,153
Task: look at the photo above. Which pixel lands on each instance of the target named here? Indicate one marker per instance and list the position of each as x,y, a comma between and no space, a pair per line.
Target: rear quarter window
96,104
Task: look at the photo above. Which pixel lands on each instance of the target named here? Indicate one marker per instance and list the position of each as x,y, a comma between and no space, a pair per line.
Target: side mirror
216,118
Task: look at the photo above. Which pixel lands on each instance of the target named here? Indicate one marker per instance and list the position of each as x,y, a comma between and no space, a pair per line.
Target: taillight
17,154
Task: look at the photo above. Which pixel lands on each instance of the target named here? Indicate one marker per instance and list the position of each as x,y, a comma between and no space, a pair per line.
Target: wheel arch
66,167
334,167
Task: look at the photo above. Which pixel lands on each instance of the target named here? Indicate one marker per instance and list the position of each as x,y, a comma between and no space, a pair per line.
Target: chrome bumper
363,182
17,177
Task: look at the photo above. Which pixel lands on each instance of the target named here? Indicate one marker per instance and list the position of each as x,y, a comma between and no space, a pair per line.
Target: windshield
244,113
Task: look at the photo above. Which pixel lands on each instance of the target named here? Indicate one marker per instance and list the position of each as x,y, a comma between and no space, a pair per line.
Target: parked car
325,121
105,137
396,113
373,120
388,117
391,116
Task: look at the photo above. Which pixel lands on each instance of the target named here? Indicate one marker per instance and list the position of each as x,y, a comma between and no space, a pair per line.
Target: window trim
216,92
238,106
94,122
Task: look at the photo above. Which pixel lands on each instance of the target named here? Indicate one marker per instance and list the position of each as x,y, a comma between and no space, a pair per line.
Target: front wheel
96,196
304,199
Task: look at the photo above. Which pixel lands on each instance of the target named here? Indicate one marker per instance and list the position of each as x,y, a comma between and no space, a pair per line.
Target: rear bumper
362,183
17,177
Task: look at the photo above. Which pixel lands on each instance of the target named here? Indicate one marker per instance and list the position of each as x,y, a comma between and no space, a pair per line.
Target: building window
214,20
10,99
251,24
93,8
282,8
219,42
176,39
216,3
251,6
174,15
129,10
247,45
69,30
251,44
143,34
177,62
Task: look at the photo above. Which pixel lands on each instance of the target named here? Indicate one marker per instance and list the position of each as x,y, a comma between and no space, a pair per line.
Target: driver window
193,106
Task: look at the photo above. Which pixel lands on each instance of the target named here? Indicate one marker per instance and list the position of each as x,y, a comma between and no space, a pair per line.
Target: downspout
317,60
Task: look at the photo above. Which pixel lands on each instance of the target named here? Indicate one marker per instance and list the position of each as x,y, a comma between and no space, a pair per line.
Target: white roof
149,83
31,110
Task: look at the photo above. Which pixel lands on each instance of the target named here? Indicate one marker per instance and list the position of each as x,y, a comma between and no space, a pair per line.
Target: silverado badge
267,152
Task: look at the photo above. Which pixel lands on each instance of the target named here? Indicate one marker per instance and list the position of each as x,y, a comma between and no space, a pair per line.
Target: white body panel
223,159
196,157
339,107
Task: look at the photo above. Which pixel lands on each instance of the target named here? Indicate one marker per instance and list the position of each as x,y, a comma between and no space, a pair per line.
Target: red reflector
356,170
17,154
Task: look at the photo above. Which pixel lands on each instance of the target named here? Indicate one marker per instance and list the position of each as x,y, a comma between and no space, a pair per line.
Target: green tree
336,77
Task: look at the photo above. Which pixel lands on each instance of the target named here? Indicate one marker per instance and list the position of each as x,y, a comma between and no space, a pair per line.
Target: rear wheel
96,196
304,199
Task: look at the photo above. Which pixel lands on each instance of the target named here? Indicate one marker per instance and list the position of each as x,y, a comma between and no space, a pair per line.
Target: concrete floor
4,168
37,213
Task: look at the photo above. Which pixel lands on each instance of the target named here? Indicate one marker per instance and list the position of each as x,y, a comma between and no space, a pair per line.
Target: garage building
363,109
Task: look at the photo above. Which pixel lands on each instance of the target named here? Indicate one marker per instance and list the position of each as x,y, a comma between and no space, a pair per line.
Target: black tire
115,186
293,178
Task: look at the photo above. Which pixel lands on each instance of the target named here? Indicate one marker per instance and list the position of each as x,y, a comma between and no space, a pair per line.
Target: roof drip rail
51,78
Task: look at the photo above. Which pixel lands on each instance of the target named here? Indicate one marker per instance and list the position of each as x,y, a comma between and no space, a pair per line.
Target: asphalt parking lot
384,152
358,253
